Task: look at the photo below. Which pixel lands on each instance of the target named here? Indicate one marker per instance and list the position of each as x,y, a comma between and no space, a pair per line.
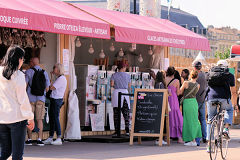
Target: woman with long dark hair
175,115
15,108
160,82
185,74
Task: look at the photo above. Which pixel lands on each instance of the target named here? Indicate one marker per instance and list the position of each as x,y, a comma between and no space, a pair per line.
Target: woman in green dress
191,124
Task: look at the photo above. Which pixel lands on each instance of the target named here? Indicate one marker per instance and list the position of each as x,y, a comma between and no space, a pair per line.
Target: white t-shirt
14,102
60,84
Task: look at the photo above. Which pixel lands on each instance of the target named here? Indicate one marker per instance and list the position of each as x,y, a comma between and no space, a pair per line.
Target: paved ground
120,151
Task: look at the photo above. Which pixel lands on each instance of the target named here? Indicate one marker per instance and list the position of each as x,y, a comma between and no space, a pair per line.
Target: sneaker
28,143
188,144
58,141
226,133
208,149
204,140
48,141
163,142
194,144
40,143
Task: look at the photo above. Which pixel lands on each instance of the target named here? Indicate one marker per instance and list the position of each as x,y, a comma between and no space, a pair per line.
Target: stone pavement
121,151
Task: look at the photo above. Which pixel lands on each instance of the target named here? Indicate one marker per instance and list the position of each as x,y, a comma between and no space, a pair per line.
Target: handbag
48,94
182,99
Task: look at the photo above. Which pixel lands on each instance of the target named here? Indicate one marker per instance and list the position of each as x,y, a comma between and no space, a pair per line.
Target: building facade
221,39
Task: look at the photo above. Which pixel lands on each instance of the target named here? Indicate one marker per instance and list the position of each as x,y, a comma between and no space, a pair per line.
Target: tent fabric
235,50
51,16
131,28
73,130
200,58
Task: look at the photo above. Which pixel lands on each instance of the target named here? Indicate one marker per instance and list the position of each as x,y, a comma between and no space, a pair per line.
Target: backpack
218,76
38,83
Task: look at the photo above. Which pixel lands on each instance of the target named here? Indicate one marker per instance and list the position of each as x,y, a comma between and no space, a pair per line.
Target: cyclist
221,93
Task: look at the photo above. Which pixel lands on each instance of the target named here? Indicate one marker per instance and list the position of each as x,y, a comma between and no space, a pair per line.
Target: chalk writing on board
148,112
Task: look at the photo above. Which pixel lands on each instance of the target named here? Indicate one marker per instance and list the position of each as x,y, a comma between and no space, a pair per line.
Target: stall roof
51,16
132,28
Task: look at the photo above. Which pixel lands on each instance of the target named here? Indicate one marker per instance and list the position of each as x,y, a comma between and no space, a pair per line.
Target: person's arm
182,88
233,91
234,97
47,81
112,83
22,98
177,85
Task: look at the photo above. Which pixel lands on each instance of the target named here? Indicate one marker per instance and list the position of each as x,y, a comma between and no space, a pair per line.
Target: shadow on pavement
83,150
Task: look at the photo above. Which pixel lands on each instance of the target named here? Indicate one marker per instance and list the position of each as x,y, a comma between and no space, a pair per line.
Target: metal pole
135,6
169,7
119,114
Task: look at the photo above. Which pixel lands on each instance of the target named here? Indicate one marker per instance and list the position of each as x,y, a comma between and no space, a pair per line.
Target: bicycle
217,138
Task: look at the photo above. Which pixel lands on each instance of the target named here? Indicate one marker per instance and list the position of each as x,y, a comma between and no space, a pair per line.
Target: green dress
191,124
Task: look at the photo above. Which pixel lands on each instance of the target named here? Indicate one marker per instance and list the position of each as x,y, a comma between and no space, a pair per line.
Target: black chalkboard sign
149,110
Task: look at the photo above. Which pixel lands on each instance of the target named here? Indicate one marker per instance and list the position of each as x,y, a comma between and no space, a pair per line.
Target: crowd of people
188,96
23,96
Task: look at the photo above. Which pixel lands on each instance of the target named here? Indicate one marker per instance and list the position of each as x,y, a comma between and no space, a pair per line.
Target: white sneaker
194,144
58,141
188,144
163,142
48,141
191,144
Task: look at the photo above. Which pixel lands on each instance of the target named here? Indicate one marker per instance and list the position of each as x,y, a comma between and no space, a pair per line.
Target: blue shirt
121,80
222,92
29,76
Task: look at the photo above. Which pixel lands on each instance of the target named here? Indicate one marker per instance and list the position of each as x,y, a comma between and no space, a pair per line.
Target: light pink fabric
51,16
132,28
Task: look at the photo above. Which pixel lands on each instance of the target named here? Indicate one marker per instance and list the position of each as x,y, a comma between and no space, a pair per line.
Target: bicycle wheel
223,142
214,140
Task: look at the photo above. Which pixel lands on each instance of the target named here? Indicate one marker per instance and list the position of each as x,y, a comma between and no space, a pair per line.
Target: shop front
141,42
42,28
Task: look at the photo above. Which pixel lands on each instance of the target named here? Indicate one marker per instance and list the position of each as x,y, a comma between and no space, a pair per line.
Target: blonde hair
194,74
60,68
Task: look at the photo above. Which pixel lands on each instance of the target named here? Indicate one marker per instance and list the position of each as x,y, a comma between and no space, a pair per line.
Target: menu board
148,112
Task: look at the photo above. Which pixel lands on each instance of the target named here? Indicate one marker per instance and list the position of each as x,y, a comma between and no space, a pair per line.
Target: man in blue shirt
223,95
37,102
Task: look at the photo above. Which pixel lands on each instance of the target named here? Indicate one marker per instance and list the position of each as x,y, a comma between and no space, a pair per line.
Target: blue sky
212,12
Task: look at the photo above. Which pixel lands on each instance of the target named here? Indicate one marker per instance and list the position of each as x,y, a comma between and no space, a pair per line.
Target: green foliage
223,55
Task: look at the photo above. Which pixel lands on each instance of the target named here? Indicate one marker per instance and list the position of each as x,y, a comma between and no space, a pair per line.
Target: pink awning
51,16
132,28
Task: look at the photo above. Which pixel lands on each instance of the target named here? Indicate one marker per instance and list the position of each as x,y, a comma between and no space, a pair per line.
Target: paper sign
66,61
166,63
97,122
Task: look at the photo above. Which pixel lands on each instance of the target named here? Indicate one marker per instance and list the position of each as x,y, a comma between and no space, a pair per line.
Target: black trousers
12,138
125,112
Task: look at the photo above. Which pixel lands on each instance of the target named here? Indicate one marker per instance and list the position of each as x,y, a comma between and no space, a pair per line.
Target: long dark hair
170,71
178,77
11,61
160,77
187,74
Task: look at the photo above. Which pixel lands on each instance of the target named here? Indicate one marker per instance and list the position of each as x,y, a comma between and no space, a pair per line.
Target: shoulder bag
182,99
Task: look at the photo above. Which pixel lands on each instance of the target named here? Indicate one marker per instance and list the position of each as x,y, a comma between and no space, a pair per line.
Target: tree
223,55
